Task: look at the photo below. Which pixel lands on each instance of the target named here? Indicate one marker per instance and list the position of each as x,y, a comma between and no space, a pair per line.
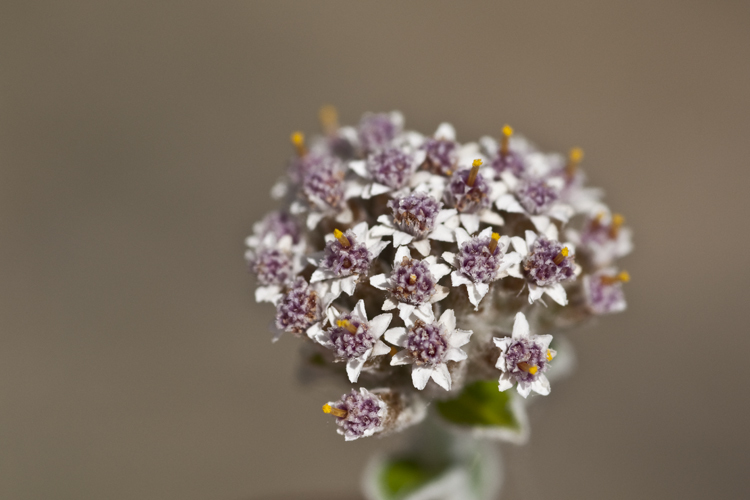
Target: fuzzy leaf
480,404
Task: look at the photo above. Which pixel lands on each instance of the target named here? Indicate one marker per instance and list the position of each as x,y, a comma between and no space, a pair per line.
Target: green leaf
480,404
401,477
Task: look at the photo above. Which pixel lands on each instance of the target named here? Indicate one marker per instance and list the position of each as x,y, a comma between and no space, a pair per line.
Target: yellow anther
504,144
345,323
533,370
412,279
329,119
474,171
298,141
614,229
336,412
623,277
524,366
561,256
550,354
574,158
342,239
493,242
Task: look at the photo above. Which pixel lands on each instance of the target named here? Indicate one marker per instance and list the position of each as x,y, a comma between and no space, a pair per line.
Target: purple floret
272,266
602,297
415,214
361,414
376,131
540,264
477,262
348,345
412,291
510,162
298,309
441,156
427,343
279,224
465,198
324,185
529,352
536,196
391,167
345,261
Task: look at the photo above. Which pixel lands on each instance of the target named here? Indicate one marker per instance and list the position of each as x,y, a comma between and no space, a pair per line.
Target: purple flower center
348,344
279,224
427,343
391,167
536,196
324,185
603,297
441,156
511,162
546,265
377,131
476,261
465,198
345,261
412,282
523,354
415,214
361,413
298,309
272,266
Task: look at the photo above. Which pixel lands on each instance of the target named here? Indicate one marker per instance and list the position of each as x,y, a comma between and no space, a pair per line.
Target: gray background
138,143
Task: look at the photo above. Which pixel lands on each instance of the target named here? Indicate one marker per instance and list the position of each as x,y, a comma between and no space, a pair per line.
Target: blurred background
139,141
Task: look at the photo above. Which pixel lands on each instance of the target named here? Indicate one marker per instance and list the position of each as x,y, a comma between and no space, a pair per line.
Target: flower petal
541,385
397,336
420,375
401,238
379,281
455,354
448,320
460,337
380,348
379,324
520,327
402,358
505,382
422,246
470,222
557,293
442,376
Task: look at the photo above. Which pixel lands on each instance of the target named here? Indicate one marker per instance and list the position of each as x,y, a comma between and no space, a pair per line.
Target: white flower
547,263
275,261
346,257
480,261
524,359
416,219
603,238
394,166
535,197
429,345
412,284
353,337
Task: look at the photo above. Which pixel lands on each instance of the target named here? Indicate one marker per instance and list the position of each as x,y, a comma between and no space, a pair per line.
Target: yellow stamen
393,351
504,144
342,239
524,366
473,174
298,141
336,412
617,221
574,158
493,242
345,323
412,279
329,119
623,277
550,355
559,258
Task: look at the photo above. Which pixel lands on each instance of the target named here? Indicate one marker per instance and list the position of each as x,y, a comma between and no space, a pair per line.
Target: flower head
547,263
603,291
358,414
524,359
300,308
377,131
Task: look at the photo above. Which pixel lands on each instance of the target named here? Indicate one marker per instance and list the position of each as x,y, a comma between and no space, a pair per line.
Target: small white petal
359,310
520,327
379,281
313,218
402,358
530,239
462,237
505,382
354,366
508,203
444,215
360,168
389,304
486,233
424,313
441,292
477,291
557,293
541,385
541,222
405,310
420,375
455,354
442,376
520,245
379,324
377,189
268,294
450,258
442,233
489,217
439,270
349,283
448,320
397,336
458,279
446,132
345,216
470,222
535,293
401,253
376,248
380,349
460,337
422,246
401,238
524,388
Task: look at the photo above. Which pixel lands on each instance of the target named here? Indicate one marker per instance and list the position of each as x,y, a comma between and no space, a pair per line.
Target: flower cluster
415,265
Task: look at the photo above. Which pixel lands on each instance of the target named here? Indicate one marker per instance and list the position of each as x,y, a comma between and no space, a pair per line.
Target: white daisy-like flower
428,346
347,257
603,238
358,414
413,284
546,264
523,359
353,338
275,262
536,197
481,260
301,309
387,171
416,219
